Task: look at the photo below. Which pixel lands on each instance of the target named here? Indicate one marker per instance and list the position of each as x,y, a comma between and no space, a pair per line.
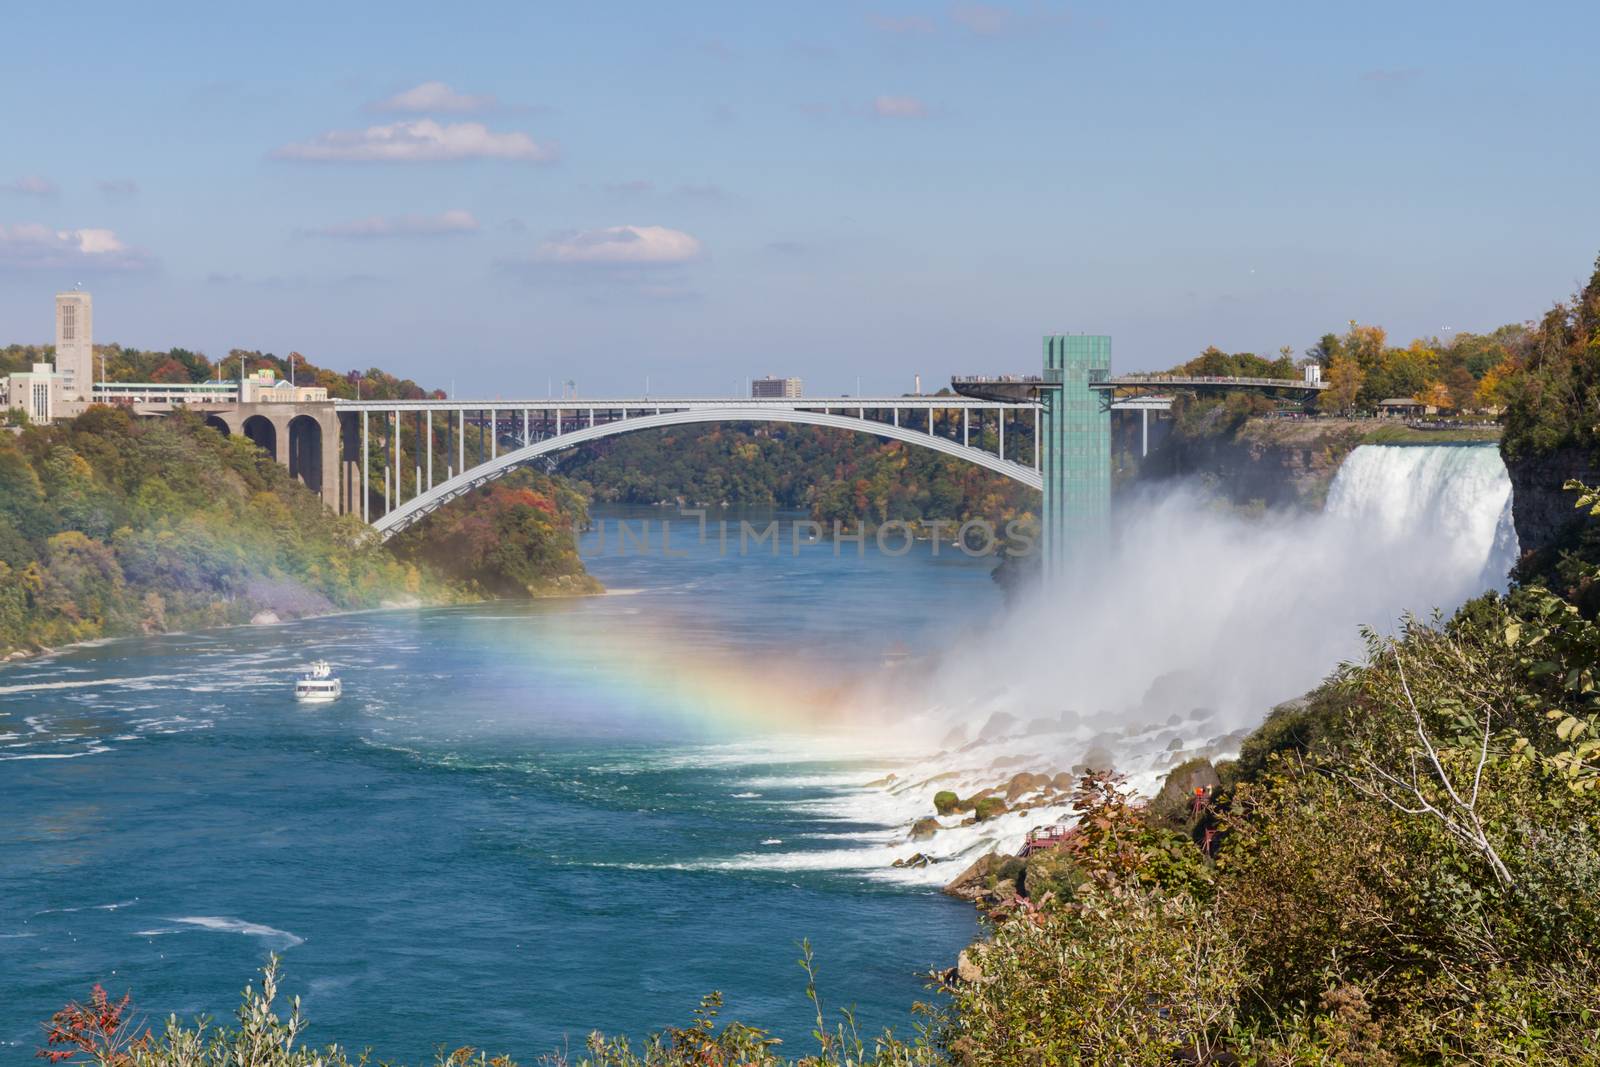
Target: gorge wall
1275,463
1543,511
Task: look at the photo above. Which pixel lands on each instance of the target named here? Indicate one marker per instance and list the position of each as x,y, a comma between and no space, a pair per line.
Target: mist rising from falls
1196,621
1197,606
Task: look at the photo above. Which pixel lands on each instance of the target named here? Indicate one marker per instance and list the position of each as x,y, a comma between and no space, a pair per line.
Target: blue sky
506,195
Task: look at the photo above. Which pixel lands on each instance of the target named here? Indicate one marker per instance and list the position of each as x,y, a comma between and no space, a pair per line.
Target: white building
36,392
265,387
75,345
771,388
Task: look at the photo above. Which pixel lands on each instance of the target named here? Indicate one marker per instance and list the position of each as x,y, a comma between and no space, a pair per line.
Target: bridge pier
303,438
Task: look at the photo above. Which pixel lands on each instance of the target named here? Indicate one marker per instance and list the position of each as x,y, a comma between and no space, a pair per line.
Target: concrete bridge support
305,438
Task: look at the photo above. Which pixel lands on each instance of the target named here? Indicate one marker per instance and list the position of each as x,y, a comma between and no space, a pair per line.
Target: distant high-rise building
75,344
771,388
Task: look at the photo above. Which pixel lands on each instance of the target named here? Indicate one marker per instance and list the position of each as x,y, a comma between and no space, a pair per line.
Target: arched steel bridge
349,450
486,439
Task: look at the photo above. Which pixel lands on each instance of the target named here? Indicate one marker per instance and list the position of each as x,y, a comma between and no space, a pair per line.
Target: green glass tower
1076,459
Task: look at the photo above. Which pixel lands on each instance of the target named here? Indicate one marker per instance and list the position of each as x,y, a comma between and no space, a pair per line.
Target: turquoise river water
520,823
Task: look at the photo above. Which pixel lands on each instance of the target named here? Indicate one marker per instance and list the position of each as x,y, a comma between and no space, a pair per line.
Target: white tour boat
318,686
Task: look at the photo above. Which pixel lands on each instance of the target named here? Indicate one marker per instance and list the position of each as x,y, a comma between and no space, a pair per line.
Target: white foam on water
224,924
86,683
89,907
93,750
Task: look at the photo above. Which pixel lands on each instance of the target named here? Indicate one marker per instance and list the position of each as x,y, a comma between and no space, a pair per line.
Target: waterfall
1197,605
1197,620
1451,502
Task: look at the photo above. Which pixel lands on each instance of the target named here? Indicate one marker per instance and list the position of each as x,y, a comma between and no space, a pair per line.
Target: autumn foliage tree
1345,378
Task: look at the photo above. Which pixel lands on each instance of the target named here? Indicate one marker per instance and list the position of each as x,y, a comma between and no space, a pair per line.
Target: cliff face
1276,462
1541,509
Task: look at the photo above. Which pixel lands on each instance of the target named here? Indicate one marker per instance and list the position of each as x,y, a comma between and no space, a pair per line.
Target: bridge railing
1208,379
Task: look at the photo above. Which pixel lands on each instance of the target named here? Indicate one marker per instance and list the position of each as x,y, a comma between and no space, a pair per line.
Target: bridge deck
634,403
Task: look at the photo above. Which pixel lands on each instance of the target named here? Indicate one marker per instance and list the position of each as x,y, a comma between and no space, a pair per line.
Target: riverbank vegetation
510,538
112,526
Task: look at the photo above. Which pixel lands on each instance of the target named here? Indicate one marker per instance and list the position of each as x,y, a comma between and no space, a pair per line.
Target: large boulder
988,808
1023,783
974,882
925,827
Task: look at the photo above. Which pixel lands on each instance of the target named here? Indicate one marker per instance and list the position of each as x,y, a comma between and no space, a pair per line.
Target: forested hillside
112,526
834,474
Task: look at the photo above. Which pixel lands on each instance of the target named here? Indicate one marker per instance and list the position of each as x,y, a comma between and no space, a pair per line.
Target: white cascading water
1176,644
1456,499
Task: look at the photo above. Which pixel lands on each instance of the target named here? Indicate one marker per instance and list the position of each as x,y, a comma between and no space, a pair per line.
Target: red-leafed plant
104,1030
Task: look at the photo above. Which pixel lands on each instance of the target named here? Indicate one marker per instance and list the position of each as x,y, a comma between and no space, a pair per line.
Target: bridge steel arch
416,508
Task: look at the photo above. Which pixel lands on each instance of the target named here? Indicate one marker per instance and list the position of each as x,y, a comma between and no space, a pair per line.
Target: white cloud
621,246
899,107
421,141
30,246
435,98
31,185
448,222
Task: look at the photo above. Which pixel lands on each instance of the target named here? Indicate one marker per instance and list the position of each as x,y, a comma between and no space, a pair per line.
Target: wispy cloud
634,246
985,20
901,25
633,186
30,246
31,185
383,226
434,98
420,141
118,188
899,107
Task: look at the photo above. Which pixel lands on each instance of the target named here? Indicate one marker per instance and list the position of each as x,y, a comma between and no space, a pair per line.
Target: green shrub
1051,871
1011,871
1129,977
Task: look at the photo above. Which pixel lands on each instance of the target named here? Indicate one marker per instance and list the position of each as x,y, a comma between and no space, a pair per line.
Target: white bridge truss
515,432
